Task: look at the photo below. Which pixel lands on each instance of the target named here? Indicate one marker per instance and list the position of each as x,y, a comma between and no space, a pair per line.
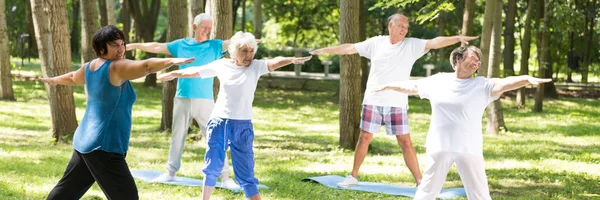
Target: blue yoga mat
332,180
148,175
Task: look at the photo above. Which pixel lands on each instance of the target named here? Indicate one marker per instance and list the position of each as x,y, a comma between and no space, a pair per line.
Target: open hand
537,81
300,60
465,39
181,61
165,77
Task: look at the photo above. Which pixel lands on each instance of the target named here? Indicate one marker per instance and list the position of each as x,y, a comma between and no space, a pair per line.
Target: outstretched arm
515,82
152,47
72,78
133,69
441,42
407,87
279,62
342,49
189,72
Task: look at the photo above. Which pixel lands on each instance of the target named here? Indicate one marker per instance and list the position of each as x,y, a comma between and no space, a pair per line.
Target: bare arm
72,78
343,49
152,47
279,62
407,87
190,72
515,82
441,42
132,69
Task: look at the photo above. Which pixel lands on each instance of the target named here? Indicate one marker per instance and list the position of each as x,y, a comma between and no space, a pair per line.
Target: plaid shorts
395,119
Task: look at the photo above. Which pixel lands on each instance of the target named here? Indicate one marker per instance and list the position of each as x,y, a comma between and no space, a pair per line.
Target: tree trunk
525,50
257,19
349,76
544,55
103,13
362,36
468,17
6,91
145,17
110,12
196,8
33,50
243,24
236,4
589,23
495,116
89,26
441,32
177,29
490,9
509,39
52,35
221,11
125,19
75,29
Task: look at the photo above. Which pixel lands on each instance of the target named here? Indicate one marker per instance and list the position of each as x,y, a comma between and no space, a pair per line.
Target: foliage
15,22
547,156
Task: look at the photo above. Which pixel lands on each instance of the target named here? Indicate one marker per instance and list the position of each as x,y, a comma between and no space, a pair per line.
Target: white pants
184,110
470,168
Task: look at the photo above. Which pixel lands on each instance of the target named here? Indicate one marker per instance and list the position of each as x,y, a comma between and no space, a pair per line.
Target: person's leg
438,165
181,122
215,154
396,123
472,172
112,173
75,181
242,156
370,123
200,110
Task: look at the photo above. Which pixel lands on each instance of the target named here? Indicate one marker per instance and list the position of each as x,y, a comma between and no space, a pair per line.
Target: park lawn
553,155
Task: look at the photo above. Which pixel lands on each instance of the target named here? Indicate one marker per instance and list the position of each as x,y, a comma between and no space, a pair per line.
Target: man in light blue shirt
194,96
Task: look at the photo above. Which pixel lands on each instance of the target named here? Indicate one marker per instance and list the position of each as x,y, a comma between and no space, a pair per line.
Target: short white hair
241,39
201,17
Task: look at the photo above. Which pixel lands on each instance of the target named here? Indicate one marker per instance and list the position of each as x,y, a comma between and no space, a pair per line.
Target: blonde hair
241,39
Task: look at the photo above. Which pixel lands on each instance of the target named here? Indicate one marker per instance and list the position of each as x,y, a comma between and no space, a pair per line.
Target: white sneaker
163,178
230,184
349,181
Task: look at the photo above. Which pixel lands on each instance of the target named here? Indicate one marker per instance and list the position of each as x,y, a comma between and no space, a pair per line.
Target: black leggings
108,169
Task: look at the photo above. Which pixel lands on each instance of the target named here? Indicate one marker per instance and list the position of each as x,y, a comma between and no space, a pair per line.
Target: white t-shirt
237,86
389,64
457,107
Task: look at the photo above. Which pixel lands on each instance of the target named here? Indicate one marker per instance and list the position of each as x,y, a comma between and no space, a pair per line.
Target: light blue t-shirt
204,52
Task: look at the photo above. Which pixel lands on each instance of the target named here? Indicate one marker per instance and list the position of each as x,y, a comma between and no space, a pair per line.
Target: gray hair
461,53
201,17
241,39
394,17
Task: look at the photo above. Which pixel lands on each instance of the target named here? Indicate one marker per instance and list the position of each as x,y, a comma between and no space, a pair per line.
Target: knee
365,137
405,142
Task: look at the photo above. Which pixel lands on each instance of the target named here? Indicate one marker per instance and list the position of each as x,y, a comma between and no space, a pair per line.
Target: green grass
553,155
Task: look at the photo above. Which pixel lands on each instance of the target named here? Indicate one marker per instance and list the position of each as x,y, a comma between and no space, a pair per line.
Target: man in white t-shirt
455,133
392,58
230,121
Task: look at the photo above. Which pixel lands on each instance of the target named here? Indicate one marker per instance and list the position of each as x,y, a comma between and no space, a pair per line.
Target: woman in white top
455,133
230,121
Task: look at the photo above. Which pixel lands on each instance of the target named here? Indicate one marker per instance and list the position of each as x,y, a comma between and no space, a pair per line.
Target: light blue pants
239,134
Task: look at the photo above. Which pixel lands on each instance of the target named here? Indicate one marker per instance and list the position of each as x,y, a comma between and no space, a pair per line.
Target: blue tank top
106,124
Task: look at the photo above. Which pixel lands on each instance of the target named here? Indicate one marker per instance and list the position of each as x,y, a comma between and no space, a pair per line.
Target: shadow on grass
287,184
538,184
538,149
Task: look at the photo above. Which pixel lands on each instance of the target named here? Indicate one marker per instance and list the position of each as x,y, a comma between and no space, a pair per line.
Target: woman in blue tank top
102,138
